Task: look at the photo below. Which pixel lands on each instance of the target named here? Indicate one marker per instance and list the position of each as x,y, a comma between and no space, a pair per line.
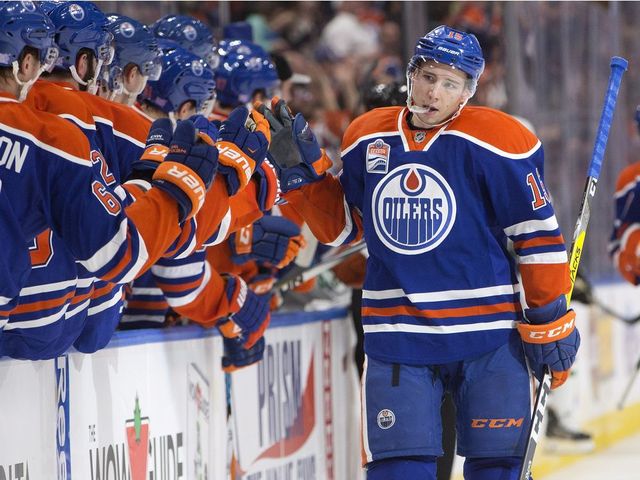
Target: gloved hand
293,148
273,240
266,178
249,313
156,149
236,356
551,339
243,142
205,126
188,169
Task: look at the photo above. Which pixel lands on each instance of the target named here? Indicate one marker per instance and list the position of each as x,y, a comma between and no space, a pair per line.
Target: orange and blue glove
271,240
243,141
551,339
188,169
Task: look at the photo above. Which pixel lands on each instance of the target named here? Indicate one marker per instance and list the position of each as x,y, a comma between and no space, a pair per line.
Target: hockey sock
496,468
403,468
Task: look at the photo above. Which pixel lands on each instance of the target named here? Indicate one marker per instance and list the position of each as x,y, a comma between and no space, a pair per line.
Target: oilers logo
413,209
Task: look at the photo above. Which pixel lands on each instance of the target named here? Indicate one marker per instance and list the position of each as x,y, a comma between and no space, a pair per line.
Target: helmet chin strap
92,83
174,119
25,86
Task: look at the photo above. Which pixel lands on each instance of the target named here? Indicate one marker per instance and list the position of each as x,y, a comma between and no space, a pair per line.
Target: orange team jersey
440,210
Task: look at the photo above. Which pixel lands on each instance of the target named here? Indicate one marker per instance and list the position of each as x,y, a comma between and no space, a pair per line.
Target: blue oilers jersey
14,260
450,216
53,303
121,132
48,176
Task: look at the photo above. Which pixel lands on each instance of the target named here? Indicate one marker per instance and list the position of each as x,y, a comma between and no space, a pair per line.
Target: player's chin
432,117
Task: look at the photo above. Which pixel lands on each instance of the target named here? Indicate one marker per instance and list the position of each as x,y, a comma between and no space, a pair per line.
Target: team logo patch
378,157
190,33
127,29
29,6
413,209
419,137
197,68
254,64
76,12
386,419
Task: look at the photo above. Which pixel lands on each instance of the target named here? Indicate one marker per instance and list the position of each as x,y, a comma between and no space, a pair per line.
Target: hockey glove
243,142
155,150
266,178
551,339
236,356
273,240
249,313
205,127
188,169
294,148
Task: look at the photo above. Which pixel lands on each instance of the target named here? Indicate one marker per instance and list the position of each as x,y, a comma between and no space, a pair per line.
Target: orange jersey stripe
141,304
168,287
42,305
123,263
81,298
539,242
443,313
103,291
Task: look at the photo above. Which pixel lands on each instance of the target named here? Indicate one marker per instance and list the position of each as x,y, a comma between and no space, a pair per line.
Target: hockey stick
618,67
616,315
623,399
298,275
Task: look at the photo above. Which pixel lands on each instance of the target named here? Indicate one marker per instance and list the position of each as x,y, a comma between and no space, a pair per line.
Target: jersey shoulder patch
494,130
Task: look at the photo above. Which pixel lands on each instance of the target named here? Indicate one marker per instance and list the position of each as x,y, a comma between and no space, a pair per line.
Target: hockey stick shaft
298,277
618,67
623,399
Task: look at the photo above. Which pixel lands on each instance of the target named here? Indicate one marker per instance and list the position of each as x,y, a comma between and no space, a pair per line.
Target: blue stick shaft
618,67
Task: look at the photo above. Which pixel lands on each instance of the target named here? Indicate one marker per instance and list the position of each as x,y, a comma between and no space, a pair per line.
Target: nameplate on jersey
414,209
378,157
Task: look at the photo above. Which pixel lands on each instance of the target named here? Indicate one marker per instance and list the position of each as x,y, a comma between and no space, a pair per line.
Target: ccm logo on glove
548,332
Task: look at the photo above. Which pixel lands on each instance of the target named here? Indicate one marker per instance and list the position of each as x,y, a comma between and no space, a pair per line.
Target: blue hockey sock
403,468
495,468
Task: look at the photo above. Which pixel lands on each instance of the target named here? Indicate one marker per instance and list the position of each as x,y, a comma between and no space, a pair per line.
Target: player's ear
187,109
29,66
82,64
130,75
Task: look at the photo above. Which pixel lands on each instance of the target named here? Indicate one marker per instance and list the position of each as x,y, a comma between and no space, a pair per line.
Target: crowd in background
545,62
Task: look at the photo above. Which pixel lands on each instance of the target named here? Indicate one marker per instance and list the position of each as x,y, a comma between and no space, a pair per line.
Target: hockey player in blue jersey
451,202
49,178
